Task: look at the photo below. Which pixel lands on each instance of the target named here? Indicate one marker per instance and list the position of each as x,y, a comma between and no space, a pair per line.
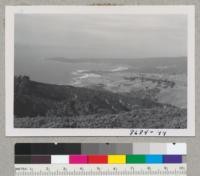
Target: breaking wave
118,69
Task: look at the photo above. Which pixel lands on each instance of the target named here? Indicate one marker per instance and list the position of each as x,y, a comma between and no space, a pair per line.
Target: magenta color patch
78,159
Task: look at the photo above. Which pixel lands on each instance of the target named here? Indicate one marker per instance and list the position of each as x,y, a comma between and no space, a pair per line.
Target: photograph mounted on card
100,70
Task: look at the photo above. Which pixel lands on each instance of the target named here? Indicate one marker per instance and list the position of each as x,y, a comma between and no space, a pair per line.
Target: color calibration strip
93,153
100,148
113,159
98,159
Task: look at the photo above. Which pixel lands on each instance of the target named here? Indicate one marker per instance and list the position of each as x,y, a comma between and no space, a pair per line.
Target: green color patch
137,159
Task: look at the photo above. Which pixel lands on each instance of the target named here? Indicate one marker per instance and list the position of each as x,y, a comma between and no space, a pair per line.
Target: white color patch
59,159
176,149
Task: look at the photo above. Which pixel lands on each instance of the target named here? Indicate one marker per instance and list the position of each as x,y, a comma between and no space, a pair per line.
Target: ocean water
111,74
48,66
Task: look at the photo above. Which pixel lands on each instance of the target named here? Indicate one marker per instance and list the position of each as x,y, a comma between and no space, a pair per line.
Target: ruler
100,170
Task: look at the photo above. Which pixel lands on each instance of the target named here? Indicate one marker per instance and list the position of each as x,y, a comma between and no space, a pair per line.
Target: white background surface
7,143
9,68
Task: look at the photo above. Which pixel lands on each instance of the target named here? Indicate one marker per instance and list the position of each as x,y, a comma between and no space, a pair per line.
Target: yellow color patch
116,159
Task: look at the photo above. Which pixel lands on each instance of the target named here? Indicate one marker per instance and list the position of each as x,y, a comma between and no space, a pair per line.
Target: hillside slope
46,105
39,99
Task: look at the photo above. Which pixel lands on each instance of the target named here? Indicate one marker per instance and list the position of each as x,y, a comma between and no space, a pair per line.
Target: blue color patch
154,159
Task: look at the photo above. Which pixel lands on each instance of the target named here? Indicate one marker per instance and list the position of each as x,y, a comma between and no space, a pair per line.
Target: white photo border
10,12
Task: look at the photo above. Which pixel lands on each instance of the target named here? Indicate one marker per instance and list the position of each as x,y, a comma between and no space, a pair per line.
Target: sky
102,36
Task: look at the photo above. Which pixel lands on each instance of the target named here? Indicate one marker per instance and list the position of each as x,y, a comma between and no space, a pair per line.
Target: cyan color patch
154,159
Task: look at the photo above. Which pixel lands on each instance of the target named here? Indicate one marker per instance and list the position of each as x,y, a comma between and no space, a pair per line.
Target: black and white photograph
103,70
